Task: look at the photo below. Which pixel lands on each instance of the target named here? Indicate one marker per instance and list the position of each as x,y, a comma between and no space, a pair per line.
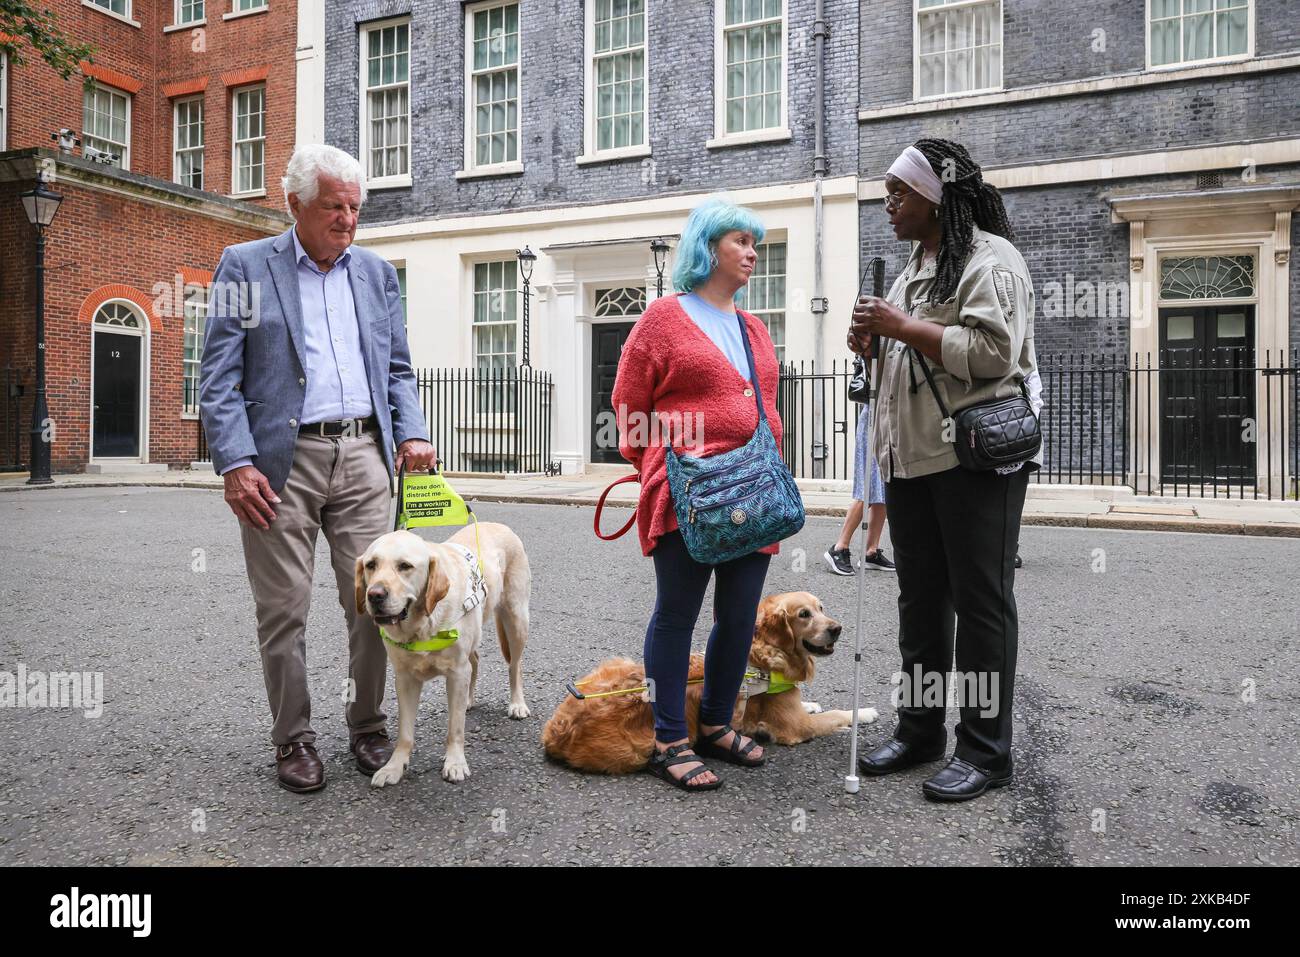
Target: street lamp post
40,205
526,259
660,250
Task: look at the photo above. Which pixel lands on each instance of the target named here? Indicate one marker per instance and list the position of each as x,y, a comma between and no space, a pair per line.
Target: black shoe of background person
895,755
960,781
877,562
839,560
1019,563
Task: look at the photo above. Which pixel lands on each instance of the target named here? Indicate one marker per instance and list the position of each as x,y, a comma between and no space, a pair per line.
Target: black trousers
955,535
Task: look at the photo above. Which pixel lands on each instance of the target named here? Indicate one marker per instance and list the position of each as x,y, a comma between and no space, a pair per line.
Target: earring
713,260
936,212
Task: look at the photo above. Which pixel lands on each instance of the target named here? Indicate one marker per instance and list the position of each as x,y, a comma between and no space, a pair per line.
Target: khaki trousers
340,485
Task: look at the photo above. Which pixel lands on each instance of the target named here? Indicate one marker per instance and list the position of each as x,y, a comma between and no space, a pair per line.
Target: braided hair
968,201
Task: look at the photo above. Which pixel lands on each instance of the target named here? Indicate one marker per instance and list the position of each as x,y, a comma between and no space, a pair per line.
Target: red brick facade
106,247
214,60
132,237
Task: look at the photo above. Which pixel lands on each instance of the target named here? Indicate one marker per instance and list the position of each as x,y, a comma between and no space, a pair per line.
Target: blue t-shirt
722,327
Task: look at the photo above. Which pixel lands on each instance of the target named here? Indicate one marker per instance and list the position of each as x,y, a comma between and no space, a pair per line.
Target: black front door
607,340
117,396
1207,390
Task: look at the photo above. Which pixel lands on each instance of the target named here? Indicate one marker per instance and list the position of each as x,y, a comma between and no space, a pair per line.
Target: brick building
1149,153
187,124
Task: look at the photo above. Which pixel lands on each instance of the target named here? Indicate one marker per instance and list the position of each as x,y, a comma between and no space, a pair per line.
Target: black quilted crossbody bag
994,433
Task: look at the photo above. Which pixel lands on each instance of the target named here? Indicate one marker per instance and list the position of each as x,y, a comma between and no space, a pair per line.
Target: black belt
338,428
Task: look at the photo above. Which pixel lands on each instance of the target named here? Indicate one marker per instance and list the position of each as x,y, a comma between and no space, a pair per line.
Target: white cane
851,779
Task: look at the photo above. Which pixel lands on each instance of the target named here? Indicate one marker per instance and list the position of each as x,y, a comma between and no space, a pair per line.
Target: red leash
601,504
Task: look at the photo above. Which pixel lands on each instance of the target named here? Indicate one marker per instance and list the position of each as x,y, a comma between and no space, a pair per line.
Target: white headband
915,170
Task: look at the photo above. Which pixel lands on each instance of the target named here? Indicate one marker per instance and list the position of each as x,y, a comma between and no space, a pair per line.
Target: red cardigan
670,365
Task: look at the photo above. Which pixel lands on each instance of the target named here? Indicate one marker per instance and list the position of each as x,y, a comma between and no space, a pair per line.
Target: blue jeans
681,582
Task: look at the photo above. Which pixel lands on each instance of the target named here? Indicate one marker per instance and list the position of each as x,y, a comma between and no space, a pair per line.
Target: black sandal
734,754
661,761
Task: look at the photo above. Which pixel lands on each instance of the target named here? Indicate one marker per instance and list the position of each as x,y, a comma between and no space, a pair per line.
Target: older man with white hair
305,390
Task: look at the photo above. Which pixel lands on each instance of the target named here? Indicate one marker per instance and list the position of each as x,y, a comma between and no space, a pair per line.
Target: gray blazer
252,381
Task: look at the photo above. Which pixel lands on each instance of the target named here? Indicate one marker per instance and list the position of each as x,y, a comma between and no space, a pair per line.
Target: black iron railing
1216,423
818,419
489,420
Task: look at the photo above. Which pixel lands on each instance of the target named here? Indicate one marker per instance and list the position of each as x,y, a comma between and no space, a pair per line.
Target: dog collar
441,640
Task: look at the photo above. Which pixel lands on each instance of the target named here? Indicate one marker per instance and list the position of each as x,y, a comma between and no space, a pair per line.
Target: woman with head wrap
964,306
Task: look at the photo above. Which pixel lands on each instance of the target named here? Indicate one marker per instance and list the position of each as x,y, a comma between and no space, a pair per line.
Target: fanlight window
1207,277
116,314
628,301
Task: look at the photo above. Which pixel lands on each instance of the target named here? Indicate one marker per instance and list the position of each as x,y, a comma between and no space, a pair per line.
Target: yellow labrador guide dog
430,601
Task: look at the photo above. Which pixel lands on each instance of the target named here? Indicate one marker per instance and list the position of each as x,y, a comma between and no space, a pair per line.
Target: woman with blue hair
685,361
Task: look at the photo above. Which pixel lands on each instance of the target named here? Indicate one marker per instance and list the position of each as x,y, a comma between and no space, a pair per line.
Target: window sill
258,194
109,13
500,169
1090,85
388,182
173,28
189,417
957,97
609,156
750,138
245,13
1193,64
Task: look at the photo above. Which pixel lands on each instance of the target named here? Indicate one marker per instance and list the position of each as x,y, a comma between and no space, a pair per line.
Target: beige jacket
988,349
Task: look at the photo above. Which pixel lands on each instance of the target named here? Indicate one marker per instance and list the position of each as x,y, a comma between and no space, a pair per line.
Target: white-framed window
492,87
189,11
495,330
386,103
121,7
765,294
187,140
616,78
4,100
1181,32
196,312
248,159
752,65
106,123
958,47
243,6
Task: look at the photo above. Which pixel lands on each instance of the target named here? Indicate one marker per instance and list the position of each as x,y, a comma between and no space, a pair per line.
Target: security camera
99,156
67,140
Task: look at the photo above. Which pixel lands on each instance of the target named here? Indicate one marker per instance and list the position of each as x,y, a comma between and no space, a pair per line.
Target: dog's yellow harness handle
427,500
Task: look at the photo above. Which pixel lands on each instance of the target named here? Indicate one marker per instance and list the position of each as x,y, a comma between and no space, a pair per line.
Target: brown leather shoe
298,767
372,750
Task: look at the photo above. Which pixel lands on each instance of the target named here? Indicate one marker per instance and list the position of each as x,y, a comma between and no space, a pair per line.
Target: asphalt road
1156,711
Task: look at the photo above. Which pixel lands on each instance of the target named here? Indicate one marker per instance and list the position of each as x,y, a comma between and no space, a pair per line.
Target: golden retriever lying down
614,735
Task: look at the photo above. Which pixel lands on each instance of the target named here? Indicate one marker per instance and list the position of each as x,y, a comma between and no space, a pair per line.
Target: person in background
1034,383
839,557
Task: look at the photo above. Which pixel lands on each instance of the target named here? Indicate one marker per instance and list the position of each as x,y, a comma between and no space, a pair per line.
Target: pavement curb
1203,526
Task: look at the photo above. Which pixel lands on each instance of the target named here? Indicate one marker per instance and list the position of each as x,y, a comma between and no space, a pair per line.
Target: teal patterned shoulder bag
734,503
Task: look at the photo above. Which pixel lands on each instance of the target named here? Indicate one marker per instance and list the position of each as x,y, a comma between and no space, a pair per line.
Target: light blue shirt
722,327
337,384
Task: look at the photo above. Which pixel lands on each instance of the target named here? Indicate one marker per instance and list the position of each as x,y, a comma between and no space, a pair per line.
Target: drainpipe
820,449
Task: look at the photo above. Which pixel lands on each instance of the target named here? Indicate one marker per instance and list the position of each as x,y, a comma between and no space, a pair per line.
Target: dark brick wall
1175,116
681,108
